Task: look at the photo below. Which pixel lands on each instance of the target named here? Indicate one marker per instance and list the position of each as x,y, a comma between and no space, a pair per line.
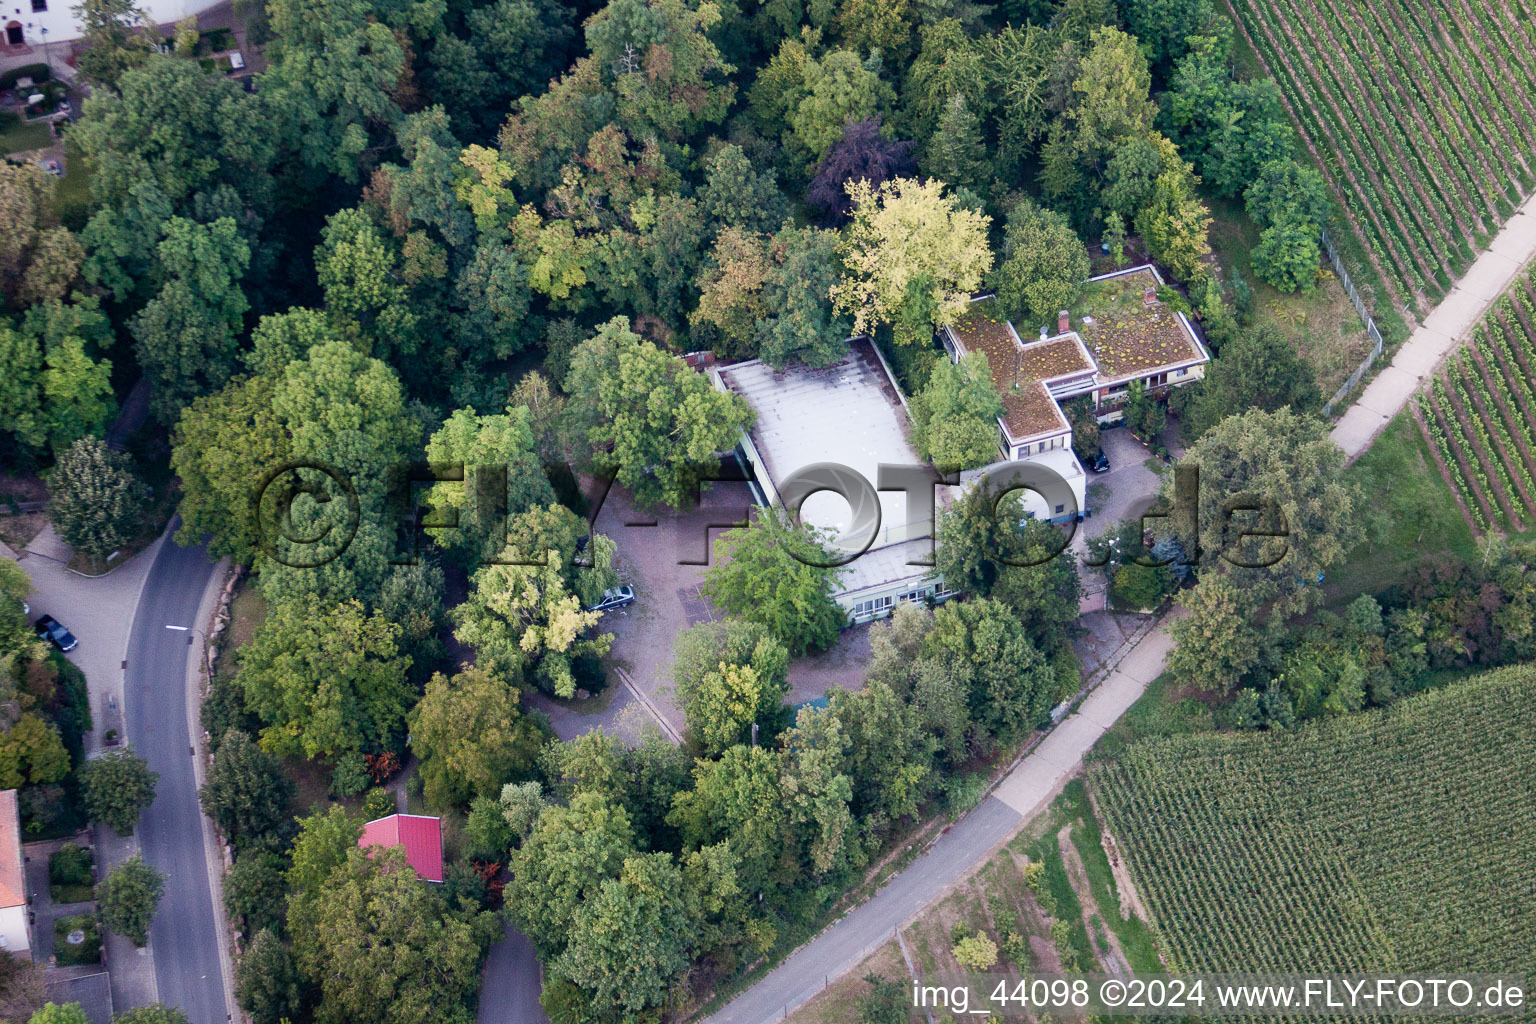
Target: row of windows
876,605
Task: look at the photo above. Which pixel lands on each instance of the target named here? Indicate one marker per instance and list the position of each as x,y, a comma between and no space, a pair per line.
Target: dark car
51,629
616,597
1101,464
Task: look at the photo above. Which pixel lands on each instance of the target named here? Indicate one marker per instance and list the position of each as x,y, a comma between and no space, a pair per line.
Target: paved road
1479,288
510,983
184,935
969,842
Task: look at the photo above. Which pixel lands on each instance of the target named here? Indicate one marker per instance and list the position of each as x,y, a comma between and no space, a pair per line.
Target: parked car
1101,464
51,629
617,597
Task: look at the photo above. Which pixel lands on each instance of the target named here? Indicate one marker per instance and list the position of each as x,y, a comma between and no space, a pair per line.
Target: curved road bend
184,935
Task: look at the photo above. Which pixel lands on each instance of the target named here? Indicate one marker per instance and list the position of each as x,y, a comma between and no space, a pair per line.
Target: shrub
978,952
69,874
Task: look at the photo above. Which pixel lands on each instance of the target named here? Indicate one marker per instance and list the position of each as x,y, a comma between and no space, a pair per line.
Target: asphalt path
510,983
184,935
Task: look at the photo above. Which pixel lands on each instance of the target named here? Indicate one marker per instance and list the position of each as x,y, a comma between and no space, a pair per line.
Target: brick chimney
1150,295
1063,322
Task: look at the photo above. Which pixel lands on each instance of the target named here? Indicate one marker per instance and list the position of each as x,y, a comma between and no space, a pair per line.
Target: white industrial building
848,415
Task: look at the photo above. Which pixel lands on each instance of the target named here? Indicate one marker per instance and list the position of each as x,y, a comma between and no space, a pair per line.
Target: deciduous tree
777,573
116,787
325,680
1044,265
650,416
912,256
383,946
129,896
96,500
956,414
471,737
247,795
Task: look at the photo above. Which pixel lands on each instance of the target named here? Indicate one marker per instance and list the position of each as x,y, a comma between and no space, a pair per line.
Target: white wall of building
54,21
13,930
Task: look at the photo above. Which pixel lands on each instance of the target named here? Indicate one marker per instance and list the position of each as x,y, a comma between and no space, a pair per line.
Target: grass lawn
87,952
246,612
1412,509
17,136
72,195
1322,323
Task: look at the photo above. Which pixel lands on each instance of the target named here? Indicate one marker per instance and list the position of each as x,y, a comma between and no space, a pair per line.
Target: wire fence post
1372,331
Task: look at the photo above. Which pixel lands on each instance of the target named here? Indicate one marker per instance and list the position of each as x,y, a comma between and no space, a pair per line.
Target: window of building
1183,372
1060,509
38,6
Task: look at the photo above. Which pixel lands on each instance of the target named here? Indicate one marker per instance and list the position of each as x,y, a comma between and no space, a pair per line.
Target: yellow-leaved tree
912,258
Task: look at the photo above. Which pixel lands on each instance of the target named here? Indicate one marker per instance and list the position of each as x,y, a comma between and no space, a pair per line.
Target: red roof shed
422,838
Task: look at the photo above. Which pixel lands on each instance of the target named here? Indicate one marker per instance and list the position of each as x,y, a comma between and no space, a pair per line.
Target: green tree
491,449
650,415
525,615
129,896
1174,224
912,257
325,680
334,71
1165,25
255,892
837,88
737,195
1219,641
957,151
1010,685
53,1013
95,499
984,552
153,1013
1108,106
38,259
247,794
382,945
660,59
801,321
956,414
266,981
116,787
885,1003
629,943
357,266
731,299
324,841
775,572
738,799
563,864
222,445
171,140
1288,255
471,737
1044,264
701,648
115,38
724,703
1286,466
32,750
1286,189
1145,415
187,334
1257,369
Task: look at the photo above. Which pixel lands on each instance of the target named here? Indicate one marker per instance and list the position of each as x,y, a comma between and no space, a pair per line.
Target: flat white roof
848,413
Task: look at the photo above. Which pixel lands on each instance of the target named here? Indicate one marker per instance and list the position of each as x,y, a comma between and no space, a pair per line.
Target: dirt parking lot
664,563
